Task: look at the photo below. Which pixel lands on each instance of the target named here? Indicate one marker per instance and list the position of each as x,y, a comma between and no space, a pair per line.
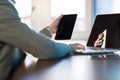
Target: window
70,7
106,6
84,10
24,9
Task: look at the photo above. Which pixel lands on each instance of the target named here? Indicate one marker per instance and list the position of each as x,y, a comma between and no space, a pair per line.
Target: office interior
40,13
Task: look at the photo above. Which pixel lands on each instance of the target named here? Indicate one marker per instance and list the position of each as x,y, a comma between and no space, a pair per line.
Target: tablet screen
65,27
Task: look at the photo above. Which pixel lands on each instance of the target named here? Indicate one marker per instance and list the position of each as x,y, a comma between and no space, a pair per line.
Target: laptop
65,27
111,23
97,51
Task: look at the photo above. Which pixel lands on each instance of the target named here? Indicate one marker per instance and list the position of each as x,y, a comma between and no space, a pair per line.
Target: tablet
65,27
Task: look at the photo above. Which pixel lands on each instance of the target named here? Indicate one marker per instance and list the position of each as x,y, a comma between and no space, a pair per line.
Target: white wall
41,14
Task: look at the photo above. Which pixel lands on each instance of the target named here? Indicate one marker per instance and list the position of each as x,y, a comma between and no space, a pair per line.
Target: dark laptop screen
110,22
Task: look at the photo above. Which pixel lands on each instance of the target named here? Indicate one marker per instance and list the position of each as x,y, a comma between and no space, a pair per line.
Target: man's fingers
60,16
80,46
77,46
100,36
98,43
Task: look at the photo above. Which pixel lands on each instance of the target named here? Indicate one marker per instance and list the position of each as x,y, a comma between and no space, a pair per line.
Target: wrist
48,28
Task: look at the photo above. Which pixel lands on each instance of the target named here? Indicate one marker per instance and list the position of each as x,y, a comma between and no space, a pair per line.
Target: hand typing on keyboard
76,46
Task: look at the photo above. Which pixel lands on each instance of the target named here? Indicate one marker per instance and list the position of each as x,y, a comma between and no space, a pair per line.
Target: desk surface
70,68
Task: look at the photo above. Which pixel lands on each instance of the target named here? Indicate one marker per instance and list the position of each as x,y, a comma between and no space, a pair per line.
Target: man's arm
18,34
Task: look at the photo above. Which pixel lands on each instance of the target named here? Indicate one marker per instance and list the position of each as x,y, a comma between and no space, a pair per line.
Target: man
16,37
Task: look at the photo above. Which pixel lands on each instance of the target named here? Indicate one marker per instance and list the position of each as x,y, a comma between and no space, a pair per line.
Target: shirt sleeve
18,34
46,32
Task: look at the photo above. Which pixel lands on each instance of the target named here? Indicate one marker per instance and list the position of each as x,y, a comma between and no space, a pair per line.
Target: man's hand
99,41
76,46
53,26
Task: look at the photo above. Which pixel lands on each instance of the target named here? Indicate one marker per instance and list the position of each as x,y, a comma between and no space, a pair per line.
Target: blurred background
40,13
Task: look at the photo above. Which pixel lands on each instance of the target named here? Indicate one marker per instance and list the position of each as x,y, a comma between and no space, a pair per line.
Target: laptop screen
110,22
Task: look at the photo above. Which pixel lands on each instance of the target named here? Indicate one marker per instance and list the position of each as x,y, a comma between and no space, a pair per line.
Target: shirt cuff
46,31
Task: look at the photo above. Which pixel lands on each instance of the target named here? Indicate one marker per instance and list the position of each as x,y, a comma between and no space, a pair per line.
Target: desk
78,67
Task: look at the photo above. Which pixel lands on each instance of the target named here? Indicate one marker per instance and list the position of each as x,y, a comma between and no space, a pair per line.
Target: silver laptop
111,23
96,51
